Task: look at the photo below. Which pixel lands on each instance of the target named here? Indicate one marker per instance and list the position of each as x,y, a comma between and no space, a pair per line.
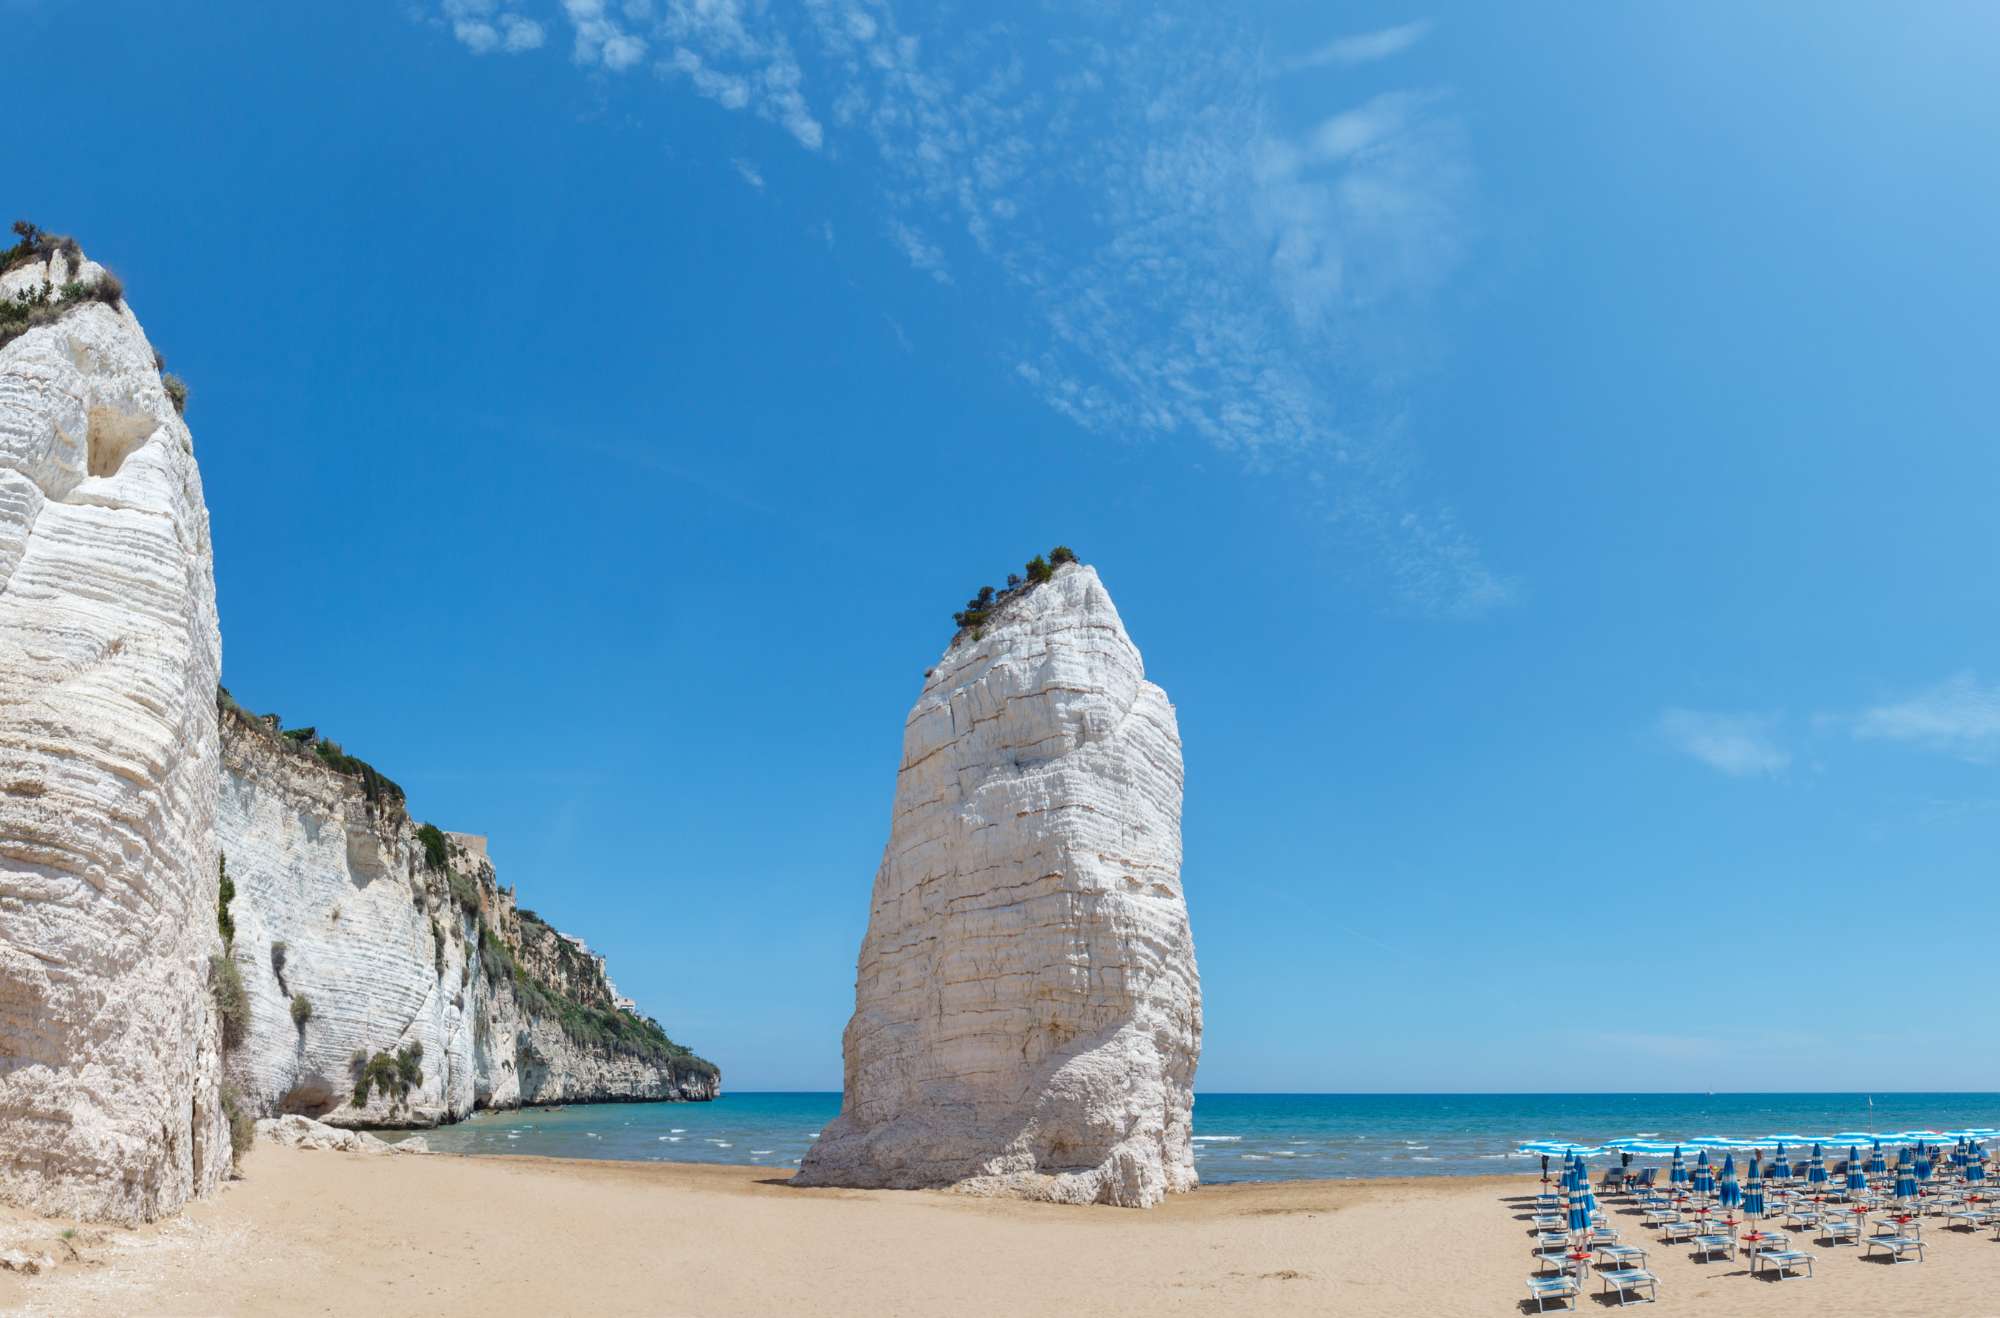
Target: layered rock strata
109,652
1027,1008
395,948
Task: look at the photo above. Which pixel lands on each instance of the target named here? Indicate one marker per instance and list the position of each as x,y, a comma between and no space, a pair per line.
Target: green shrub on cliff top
302,1010
437,851
973,617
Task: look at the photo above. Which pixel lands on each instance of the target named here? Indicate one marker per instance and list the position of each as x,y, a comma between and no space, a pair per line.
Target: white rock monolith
109,653
1027,1011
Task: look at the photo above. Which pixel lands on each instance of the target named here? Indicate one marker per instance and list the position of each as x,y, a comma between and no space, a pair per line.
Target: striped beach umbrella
1731,1194
1678,1173
1816,1169
1781,1167
1856,1178
1925,1166
1906,1182
1753,1192
1975,1170
1877,1165
1704,1175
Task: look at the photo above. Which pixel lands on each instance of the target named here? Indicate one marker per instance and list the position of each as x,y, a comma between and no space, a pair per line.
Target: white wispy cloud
747,170
1740,745
1958,716
600,39
1188,264
483,27
924,254
1362,48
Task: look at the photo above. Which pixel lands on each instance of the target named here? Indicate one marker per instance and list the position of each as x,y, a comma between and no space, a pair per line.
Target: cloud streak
1739,745
1189,264
1957,716
1362,48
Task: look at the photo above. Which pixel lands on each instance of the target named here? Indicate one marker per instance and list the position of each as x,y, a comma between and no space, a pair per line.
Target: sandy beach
317,1232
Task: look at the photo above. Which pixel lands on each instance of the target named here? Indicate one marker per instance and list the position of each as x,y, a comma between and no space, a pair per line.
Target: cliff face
109,652
400,949
1027,1010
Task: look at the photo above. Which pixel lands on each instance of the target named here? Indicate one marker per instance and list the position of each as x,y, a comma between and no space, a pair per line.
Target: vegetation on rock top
378,787
981,607
45,303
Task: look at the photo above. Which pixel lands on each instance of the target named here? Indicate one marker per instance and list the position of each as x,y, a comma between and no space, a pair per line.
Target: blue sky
1546,455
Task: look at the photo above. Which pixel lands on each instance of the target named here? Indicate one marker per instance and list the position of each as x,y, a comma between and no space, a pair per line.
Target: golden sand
311,1232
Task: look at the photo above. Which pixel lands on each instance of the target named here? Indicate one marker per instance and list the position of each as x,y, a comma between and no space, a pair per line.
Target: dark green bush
437,852
375,786
46,303
37,244
393,1076
302,1010
980,608
232,1004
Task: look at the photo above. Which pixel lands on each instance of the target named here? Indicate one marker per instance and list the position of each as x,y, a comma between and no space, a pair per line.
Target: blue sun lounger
1628,1282
1896,1247
1543,1289
1781,1263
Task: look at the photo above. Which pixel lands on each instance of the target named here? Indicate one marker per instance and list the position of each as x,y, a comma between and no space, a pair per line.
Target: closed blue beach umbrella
1856,1178
1731,1193
1704,1175
1781,1167
1877,1165
1579,1214
1906,1182
1753,1193
1816,1170
1678,1173
1975,1170
1924,1168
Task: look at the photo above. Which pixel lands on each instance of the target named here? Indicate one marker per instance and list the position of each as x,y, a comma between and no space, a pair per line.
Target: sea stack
110,1062
1027,1013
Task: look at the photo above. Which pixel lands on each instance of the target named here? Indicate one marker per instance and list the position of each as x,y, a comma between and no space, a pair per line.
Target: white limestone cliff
109,653
392,953
1027,1009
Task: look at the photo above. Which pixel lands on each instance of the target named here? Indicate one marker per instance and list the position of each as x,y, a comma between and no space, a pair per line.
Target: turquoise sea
1250,1137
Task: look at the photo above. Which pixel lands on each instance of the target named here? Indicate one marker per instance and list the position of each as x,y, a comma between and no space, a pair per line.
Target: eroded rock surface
1027,1008
109,653
338,903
